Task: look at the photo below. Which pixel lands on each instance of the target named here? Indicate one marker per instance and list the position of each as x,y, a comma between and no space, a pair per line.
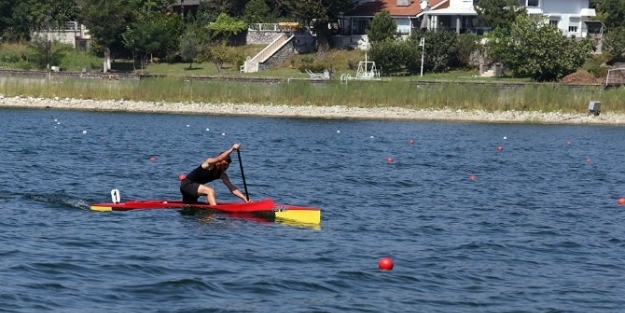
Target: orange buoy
499,148
389,160
472,177
181,177
385,264
621,201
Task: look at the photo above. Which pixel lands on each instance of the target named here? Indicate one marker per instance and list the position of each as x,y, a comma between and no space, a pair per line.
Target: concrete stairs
252,65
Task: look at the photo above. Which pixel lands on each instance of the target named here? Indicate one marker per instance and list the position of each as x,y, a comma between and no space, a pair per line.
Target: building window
572,29
553,22
530,3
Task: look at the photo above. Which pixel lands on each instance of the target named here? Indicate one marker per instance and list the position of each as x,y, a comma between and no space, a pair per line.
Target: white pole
422,44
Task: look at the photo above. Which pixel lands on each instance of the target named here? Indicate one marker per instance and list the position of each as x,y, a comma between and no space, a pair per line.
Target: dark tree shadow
125,67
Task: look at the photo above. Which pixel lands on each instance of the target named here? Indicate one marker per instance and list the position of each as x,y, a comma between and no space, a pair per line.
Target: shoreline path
330,112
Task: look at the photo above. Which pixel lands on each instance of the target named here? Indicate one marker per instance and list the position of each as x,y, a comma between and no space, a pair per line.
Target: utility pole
422,45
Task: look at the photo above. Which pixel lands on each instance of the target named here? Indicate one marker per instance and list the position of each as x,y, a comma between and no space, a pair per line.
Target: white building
569,15
73,33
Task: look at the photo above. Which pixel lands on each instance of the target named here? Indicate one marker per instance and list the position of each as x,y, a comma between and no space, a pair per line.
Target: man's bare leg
209,193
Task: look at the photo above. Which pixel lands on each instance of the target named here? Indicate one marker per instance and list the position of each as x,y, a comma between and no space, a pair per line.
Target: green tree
319,13
47,52
532,49
611,12
108,20
382,27
614,43
19,19
256,11
229,7
225,27
441,51
394,56
499,13
152,34
189,47
219,53
468,45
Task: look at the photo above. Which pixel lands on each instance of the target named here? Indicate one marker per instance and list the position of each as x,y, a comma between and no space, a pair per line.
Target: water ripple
537,229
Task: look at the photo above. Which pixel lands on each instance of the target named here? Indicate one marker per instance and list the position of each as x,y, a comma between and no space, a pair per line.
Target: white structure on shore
569,15
73,33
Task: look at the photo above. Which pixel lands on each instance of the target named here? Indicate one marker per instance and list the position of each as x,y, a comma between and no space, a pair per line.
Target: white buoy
84,131
504,137
371,137
188,125
223,134
207,129
338,131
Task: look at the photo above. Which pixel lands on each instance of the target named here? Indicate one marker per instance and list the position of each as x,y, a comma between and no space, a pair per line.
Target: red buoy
385,264
621,201
472,177
152,158
411,141
389,160
181,177
500,148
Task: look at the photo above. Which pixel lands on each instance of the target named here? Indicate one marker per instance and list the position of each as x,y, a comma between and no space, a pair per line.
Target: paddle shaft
247,196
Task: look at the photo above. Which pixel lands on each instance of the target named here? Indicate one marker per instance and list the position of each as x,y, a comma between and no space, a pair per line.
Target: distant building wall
73,33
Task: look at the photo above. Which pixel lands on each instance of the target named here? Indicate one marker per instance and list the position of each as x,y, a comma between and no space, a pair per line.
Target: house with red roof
571,16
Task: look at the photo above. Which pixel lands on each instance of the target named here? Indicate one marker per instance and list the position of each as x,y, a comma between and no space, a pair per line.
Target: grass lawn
341,61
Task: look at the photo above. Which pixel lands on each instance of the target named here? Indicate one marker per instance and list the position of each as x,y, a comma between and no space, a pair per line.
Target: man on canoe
193,185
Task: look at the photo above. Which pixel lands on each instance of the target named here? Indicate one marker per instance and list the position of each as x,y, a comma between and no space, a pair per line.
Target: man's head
223,165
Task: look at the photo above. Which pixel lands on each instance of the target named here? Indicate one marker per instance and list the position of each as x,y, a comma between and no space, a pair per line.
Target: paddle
247,196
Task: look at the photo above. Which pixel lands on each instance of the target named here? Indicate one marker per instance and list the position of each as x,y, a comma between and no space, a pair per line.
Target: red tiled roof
373,7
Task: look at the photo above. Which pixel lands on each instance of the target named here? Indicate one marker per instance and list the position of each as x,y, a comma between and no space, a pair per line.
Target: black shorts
188,189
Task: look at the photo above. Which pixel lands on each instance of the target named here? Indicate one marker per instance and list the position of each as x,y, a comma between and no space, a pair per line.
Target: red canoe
263,208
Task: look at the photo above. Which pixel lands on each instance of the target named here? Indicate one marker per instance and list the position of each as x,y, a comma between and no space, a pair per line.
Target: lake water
537,229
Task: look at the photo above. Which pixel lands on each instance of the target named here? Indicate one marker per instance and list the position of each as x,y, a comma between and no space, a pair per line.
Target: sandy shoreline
338,112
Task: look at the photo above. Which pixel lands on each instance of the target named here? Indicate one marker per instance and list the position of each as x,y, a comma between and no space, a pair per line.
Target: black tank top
203,176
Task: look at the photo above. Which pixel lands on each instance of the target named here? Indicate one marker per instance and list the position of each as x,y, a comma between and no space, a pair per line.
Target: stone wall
302,43
260,37
279,57
299,44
